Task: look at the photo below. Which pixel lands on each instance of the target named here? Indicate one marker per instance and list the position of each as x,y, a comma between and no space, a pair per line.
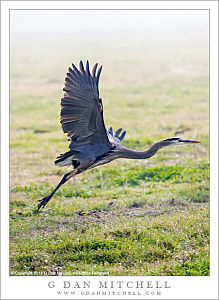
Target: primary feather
82,114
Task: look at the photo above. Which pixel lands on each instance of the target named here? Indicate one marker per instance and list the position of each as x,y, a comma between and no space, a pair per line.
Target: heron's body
91,144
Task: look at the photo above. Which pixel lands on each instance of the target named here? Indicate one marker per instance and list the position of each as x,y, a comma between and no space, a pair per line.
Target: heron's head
176,141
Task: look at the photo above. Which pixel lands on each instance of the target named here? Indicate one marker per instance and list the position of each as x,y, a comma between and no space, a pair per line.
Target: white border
181,287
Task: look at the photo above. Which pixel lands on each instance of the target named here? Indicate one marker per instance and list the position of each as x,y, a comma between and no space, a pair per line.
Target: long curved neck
132,154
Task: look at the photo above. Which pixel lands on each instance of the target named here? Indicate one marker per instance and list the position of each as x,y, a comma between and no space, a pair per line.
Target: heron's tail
64,159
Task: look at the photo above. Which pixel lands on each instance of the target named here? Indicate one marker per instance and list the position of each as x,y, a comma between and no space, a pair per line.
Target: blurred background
150,59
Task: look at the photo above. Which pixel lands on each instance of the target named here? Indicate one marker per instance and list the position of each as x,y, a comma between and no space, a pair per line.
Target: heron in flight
91,144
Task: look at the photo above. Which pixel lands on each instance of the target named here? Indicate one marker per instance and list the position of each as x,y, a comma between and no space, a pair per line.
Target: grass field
148,217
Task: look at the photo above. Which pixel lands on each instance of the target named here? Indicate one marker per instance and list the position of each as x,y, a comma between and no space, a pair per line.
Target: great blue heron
91,144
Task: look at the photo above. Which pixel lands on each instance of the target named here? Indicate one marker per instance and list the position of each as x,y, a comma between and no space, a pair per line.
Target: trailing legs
65,178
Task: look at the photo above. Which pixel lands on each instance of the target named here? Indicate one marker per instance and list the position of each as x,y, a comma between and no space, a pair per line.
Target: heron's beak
191,141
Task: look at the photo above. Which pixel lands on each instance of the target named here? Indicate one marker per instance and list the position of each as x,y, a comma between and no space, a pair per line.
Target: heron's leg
66,177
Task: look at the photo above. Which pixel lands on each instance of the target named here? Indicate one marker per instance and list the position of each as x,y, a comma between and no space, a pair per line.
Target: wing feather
94,70
82,68
87,68
116,138
98,76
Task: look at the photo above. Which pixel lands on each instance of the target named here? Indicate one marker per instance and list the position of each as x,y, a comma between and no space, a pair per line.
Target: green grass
146,217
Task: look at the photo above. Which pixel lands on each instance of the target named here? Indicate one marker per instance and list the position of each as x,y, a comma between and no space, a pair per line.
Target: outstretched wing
82,113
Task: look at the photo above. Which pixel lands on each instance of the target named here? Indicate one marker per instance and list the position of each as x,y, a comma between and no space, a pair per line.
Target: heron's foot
43,202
